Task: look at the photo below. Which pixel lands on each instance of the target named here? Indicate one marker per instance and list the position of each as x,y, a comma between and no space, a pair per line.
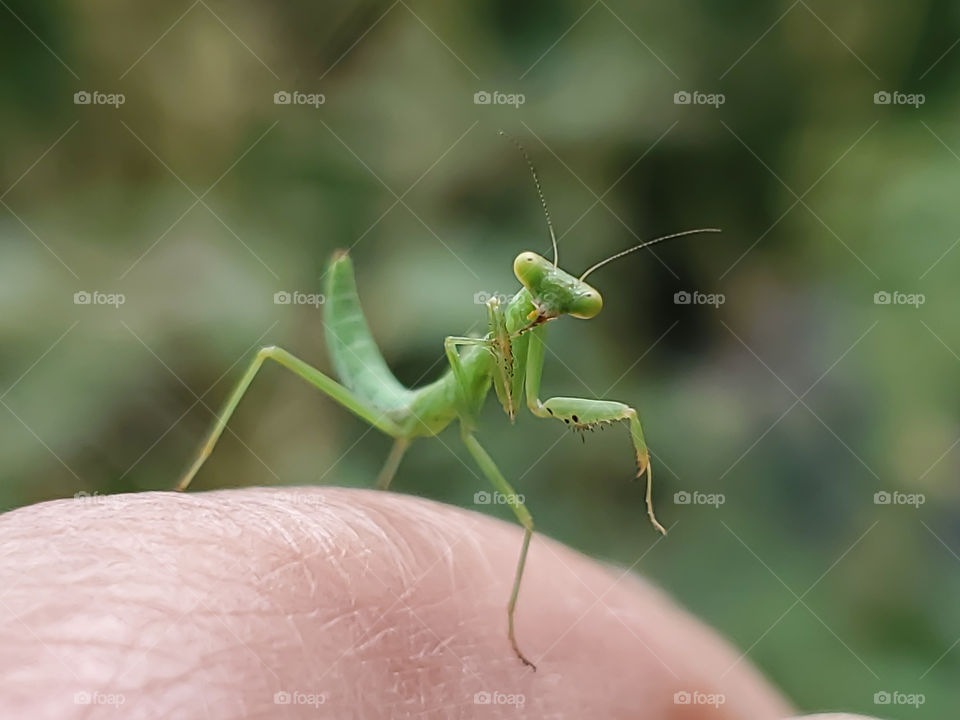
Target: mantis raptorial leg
584,414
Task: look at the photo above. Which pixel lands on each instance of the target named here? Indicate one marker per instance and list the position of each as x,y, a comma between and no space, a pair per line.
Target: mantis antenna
648,243
536,181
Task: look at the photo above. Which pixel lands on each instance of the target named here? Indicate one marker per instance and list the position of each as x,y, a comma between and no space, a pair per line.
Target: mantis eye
529,268
586,305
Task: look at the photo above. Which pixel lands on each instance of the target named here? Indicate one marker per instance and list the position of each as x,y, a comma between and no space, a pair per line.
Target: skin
206,605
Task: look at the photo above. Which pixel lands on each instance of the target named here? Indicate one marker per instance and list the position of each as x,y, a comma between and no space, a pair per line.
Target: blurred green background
797,399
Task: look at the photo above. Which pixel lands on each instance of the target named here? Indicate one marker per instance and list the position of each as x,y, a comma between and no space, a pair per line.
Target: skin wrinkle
206,605
402,554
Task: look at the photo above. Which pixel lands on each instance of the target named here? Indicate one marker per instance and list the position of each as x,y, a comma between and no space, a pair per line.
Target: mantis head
554,291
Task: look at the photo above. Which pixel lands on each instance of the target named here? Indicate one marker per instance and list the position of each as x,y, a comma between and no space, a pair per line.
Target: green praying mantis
509,357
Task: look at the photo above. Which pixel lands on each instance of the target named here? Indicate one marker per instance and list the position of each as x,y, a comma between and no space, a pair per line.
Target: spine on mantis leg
502,349
353,352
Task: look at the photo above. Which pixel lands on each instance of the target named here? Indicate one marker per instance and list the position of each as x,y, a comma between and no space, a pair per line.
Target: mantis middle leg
496,478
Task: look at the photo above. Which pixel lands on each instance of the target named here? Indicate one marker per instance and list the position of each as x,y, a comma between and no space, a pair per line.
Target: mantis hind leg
500,484
352,402
389,469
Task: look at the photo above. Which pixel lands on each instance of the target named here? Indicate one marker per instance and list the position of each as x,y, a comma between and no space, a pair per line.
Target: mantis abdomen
360,366
353,352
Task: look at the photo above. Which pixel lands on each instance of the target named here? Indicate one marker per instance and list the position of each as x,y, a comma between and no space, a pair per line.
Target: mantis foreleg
501,346
583,414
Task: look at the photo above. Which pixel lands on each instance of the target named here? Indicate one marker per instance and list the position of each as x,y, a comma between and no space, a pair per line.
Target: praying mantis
509,357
